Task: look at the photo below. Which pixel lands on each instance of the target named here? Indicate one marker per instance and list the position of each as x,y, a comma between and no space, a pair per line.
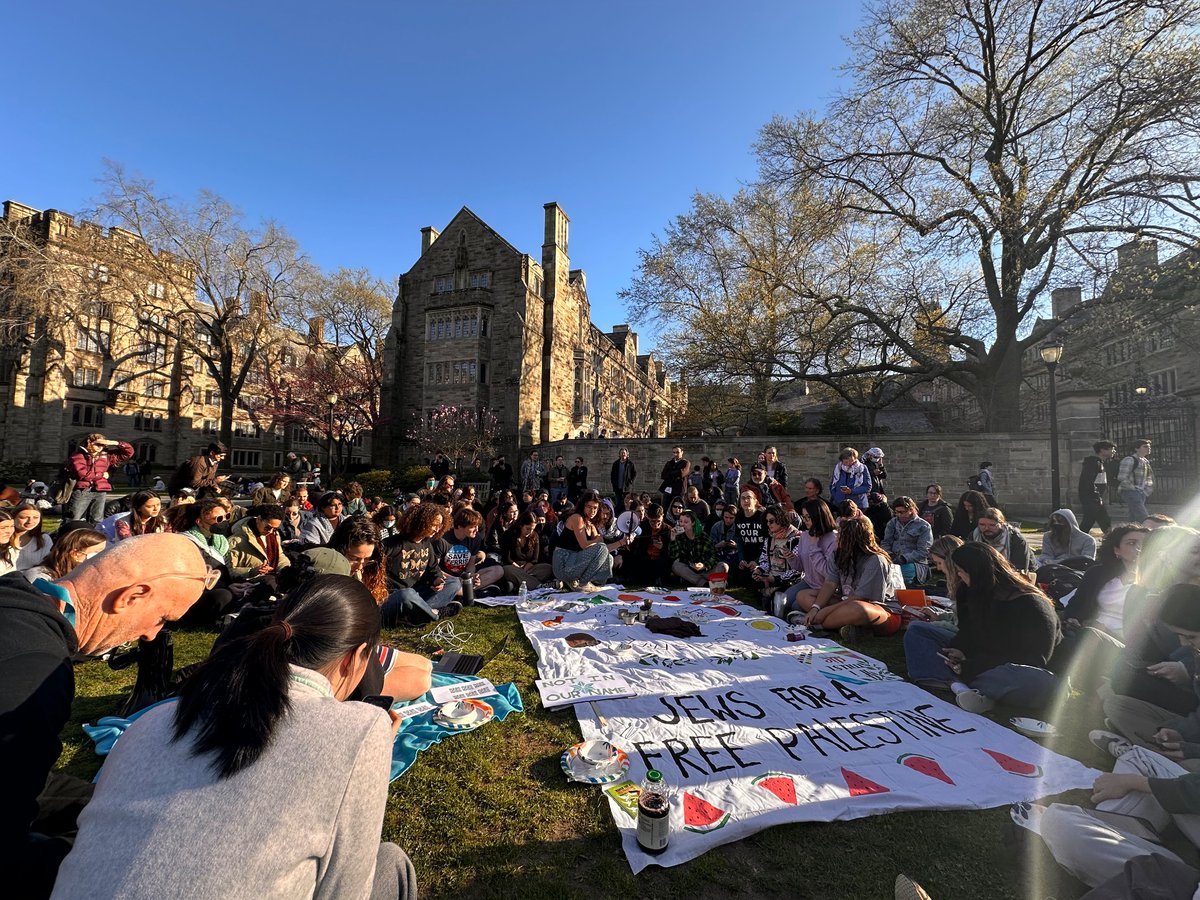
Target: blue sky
355,124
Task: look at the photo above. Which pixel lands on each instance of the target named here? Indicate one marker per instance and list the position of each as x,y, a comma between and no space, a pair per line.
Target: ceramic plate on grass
1033,727
578,767
481,713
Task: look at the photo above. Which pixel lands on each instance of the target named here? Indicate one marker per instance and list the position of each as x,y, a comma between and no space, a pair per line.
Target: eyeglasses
220,518
210,577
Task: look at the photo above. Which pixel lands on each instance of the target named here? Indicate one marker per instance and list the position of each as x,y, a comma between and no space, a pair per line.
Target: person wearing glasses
197,522
255,549
125,593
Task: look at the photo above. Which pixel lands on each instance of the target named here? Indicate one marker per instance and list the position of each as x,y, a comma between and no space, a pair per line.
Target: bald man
127,592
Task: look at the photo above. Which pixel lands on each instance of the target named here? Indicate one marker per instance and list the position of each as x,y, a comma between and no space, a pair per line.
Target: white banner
753,730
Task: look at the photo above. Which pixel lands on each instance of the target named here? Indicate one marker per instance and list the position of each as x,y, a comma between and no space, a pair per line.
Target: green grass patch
488,814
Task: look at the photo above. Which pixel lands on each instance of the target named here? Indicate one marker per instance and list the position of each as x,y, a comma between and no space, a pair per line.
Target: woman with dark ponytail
257,782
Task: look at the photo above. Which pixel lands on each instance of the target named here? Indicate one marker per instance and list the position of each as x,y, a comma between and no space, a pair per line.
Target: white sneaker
973,701
796,617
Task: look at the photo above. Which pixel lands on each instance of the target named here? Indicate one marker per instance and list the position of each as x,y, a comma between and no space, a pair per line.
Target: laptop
455,663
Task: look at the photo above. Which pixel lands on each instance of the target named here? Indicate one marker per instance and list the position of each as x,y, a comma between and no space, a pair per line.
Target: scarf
999,543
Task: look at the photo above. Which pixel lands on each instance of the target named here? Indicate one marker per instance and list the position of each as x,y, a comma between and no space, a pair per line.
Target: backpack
974,483
62,487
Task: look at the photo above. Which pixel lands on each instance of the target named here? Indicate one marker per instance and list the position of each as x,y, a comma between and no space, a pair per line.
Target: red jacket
92,471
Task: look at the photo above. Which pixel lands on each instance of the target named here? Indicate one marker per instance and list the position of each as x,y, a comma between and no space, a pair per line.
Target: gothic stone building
477,323
98,365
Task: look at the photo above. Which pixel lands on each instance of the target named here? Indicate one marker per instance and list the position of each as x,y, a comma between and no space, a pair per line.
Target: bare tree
1011,144
226,283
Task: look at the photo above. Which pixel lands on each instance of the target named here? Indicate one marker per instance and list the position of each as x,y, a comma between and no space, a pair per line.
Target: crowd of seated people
832,563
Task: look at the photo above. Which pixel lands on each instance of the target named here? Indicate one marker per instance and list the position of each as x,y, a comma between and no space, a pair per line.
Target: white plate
483,712
1033,727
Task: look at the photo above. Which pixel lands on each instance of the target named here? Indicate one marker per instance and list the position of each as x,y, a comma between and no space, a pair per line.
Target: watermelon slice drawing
672,598
860,786
1014,766
701,816
780,784
925,766
728,610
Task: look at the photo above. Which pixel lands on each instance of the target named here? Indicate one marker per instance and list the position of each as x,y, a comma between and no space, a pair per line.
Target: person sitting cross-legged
258,781
420,592
858,584
1007,633
581,559
907,539
692,553
1118,848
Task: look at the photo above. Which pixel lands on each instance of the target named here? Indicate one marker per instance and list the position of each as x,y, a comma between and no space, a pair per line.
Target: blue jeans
1010,683
88,505
415,606
1136,501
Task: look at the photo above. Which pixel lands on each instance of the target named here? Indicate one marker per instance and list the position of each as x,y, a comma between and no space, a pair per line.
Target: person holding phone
1007,633
258,761
1144,724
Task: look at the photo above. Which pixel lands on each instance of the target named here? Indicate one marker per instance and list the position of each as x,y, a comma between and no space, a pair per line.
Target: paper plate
577,768
628,522
483,713
1033,727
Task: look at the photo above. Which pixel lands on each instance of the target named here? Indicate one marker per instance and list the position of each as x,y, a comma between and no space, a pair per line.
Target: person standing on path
623,474
1136,480
674,476
1093,487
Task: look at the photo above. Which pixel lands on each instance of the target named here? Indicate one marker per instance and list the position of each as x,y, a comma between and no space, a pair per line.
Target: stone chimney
258,305
429,234
1137,255
555,262
1064,299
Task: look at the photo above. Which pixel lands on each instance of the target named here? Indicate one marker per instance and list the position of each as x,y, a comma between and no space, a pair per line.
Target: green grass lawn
489,814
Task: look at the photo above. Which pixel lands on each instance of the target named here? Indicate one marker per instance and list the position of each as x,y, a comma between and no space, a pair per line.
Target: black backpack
975,484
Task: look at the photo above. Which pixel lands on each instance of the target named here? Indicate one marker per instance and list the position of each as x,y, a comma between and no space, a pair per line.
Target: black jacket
630,474
1085,604
1088,491
37,687
939,516
1022,629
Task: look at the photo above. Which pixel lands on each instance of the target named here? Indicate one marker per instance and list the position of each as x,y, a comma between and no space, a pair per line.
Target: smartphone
383,701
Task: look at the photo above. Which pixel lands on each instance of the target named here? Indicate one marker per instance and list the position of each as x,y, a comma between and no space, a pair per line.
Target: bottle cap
654,776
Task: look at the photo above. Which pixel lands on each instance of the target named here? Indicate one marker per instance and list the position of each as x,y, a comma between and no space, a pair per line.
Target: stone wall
1021,462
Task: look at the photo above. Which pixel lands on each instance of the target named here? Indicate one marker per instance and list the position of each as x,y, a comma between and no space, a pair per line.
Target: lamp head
1051,352
331,398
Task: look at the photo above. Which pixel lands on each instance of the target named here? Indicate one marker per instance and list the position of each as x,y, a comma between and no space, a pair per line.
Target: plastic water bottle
522,593
654,814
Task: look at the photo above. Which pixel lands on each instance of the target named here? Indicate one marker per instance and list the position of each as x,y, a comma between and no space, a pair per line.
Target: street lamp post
1051,354
331,398
1142,389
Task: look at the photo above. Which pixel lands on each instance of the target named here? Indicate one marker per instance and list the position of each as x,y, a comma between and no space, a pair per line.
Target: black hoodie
37,686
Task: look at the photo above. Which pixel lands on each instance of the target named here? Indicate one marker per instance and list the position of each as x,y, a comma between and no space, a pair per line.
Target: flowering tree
457,431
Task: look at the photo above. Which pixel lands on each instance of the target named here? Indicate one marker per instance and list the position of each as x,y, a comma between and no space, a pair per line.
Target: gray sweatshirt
303,821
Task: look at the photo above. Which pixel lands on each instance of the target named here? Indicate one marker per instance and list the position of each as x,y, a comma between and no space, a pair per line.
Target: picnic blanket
416,733
421,732
752,730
